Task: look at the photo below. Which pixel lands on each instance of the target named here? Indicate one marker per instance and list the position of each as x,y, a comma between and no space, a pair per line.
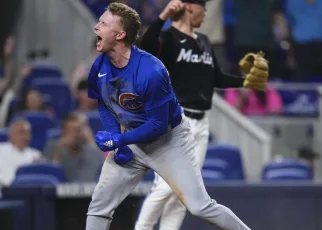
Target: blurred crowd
288,31
28,115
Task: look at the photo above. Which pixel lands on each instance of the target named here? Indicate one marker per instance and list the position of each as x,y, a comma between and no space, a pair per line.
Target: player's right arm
154,87
108,120
152,42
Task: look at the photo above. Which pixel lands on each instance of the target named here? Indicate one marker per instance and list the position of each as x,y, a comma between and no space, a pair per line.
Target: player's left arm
254,68
225,80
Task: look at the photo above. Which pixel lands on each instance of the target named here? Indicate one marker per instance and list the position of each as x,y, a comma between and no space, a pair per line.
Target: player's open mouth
98,40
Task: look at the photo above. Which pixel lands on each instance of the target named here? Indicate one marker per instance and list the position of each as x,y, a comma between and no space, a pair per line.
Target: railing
299,125
304,126
288,133
229,126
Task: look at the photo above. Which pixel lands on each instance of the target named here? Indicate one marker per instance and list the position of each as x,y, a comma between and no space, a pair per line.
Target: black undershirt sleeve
151,39
225,80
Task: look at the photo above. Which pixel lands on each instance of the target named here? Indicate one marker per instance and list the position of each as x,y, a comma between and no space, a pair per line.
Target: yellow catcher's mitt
255,67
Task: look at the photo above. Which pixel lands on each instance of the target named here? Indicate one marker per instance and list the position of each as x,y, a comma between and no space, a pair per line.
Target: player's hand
123,155
172,8
107,141
255,68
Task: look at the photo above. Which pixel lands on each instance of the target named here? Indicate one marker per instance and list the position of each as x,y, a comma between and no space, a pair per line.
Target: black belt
197,116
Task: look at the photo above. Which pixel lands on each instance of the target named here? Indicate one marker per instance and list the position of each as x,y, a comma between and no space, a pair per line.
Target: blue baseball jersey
144,84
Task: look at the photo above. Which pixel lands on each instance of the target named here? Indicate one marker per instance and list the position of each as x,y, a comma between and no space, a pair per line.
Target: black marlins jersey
191,66
190,61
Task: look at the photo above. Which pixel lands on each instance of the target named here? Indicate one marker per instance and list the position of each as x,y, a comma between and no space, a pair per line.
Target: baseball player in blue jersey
133,89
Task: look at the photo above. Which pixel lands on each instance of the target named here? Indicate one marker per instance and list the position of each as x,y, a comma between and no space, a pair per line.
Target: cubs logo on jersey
130,102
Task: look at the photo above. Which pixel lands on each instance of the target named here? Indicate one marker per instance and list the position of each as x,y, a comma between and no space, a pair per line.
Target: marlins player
133,89
194,73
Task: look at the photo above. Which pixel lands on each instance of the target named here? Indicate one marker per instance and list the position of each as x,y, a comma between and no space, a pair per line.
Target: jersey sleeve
153,84
151,39
157,42
93,91
156,126
108,120
225,80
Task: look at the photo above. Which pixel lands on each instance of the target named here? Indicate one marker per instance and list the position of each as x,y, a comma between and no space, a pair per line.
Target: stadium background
265,166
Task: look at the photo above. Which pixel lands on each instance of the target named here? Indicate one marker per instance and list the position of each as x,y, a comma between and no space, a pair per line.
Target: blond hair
130,20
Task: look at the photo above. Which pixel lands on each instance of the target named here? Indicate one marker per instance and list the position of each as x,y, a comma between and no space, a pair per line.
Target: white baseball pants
172,156
162,201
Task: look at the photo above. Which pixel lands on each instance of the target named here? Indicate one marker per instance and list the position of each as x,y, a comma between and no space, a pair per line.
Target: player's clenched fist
107,141
173,7
123,155
255,68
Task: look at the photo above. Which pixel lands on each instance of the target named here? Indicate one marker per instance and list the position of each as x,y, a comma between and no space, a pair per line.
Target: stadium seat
214,169
40,123
3,135
35,179
214,174
53,134
59,93
42,169
96,7
287,169
41,71
94,121
46,71
223,162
